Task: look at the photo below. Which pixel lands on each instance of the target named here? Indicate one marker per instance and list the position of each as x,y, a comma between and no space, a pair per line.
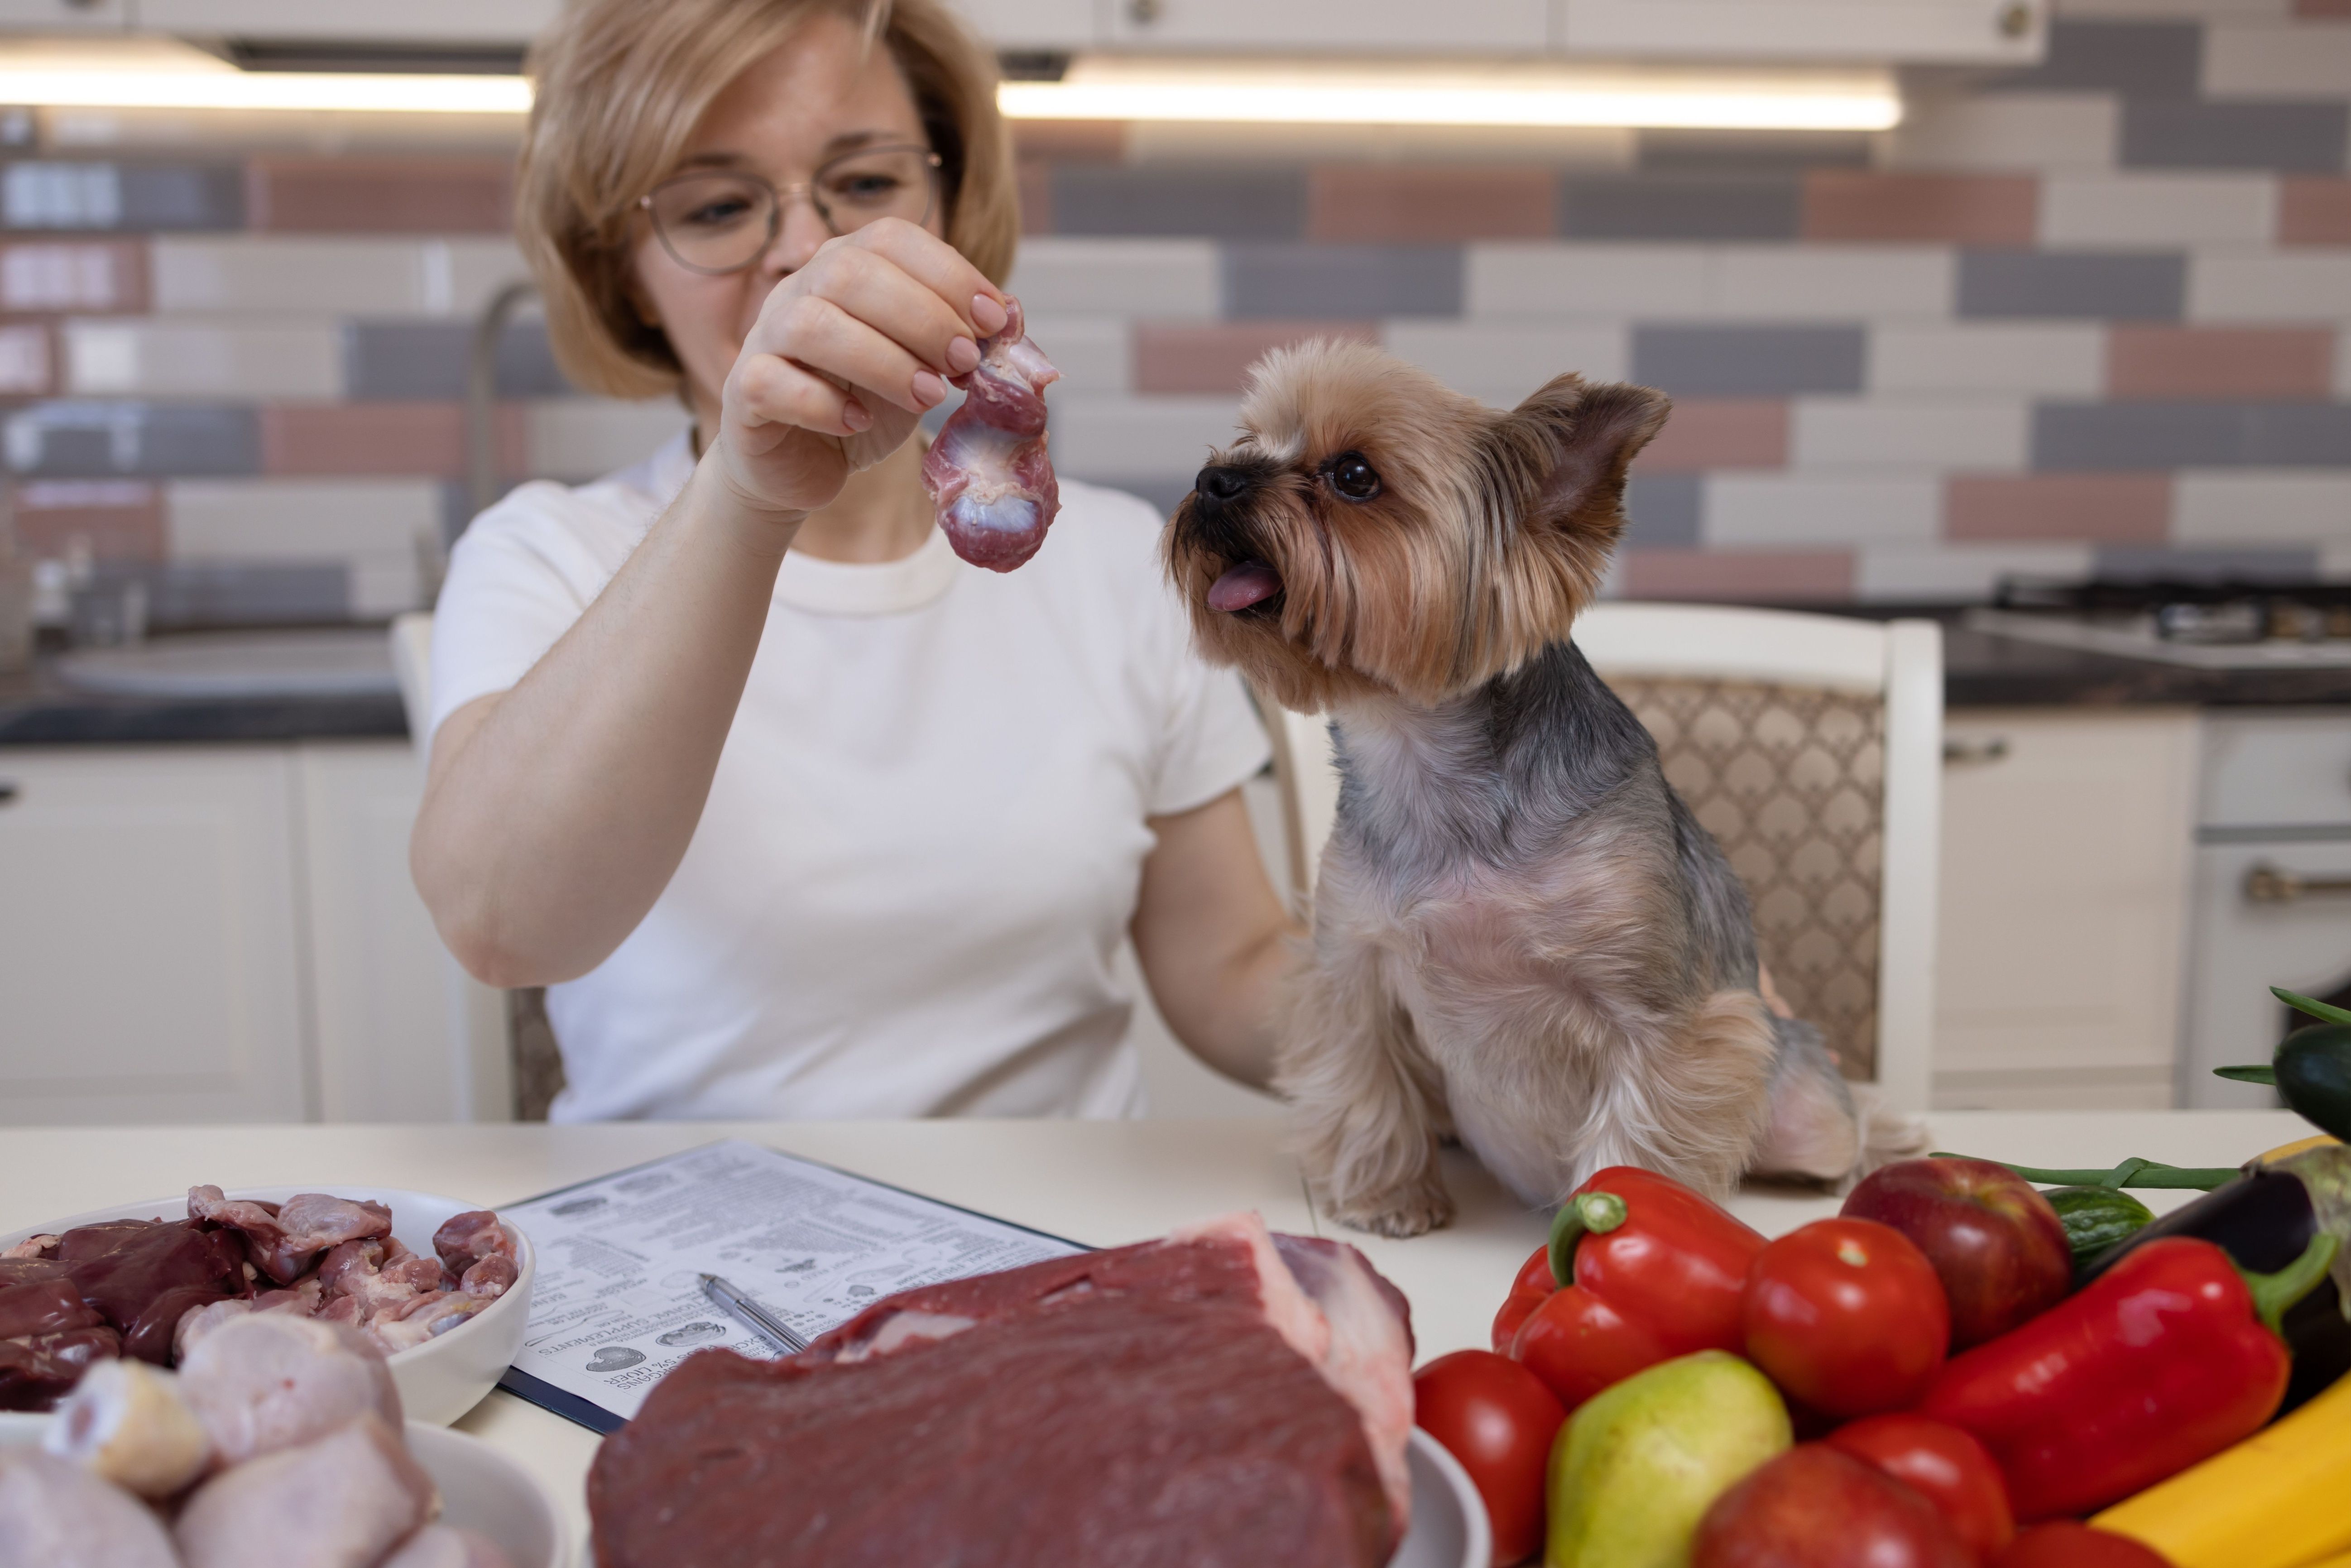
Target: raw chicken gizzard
988,472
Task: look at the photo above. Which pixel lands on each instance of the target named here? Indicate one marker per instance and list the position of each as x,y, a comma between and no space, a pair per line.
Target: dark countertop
39,709
1980,670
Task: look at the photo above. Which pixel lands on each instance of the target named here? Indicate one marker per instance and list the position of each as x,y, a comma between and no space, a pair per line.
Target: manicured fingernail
988,315
963,354
854,415
929,390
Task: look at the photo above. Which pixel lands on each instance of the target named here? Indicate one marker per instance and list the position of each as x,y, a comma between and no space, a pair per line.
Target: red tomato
2062,1543
1499,1421
1579,1344
1847,1316
1527,1292
1946,1465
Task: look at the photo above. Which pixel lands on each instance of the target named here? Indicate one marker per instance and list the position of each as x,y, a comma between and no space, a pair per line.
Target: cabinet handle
1145,12
2267,884
1994,749
7,791
2015,20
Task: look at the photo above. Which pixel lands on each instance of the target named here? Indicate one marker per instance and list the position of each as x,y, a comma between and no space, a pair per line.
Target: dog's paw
1412,1212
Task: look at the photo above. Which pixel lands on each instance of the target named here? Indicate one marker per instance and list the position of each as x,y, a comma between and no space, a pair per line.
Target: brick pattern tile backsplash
2091,317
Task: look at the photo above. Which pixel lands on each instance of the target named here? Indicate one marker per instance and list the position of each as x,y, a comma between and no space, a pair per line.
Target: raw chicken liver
1181,1402
988,472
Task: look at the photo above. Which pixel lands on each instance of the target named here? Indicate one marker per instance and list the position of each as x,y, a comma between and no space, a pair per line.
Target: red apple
2062,1543
1995,1242
1813,1507
1942,1464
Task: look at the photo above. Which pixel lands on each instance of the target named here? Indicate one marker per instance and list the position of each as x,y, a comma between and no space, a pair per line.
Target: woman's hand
847,355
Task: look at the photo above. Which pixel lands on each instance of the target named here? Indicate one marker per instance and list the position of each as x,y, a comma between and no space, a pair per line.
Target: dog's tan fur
1547,1011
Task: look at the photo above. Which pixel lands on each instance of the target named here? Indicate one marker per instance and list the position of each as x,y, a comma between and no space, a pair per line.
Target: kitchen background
2088,317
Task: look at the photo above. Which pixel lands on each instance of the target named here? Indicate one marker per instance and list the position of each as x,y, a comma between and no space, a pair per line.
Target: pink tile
380,438
1172,357
27,361
1755,577
1070,141
2100,508
2322,7
86,278
1966,209
116,519
380,195
1429,203
1720,432
2313,211
2147,361
1036,187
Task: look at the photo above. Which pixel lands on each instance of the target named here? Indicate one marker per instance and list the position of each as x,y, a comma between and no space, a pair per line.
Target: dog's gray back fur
1511,785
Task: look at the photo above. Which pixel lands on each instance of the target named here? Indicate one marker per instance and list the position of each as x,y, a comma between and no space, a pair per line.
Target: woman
793,813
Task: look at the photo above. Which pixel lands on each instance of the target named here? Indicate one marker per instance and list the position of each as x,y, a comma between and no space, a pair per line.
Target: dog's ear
1583,438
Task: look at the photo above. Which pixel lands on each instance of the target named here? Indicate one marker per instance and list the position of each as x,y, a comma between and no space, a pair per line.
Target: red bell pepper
1647,1270
2166,1359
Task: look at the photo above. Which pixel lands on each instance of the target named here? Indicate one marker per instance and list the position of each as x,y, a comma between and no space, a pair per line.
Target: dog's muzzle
1218,524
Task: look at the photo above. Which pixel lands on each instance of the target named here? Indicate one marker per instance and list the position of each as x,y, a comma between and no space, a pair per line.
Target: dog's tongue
1244,585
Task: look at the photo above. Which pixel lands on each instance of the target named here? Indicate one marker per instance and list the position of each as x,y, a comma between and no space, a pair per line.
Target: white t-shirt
923,840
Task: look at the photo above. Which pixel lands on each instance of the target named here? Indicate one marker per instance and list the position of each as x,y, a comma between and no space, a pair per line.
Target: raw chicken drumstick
988,472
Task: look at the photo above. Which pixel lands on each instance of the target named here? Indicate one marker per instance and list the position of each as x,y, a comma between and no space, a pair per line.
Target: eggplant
2264,1220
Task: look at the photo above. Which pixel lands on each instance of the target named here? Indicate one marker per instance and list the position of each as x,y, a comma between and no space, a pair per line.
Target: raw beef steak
1222,1397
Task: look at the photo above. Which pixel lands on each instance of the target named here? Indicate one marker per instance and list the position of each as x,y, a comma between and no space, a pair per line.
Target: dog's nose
1222,482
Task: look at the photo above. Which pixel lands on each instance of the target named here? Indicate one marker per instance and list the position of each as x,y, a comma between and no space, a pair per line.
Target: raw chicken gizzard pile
988,472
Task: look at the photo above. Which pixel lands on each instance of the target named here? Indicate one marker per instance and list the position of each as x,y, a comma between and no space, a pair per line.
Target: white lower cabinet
2068,845
225,934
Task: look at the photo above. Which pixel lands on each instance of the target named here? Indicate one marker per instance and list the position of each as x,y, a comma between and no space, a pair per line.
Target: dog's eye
1352,477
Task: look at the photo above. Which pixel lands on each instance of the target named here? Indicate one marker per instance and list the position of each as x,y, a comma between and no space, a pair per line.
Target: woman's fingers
770,391
837,344
938,267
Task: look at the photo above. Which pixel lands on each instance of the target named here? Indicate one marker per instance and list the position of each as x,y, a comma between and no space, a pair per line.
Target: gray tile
2302,434
2140,286
1748,362
100,439
1680,207
2097,437
1661,510
408,359
198,197
1340,282
2092,437
2305,138
1213,204
2147,562
1166,492
2139,59
1751,151
184,595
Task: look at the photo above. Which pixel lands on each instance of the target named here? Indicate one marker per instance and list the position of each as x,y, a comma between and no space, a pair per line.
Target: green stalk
2326,1011
1597,1213
2134,1172
2275,1294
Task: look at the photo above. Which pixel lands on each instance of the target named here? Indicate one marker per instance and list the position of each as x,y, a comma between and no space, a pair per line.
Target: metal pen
752,1314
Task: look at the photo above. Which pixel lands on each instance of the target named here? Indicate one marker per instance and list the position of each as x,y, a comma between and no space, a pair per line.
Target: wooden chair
1811,747
505,1030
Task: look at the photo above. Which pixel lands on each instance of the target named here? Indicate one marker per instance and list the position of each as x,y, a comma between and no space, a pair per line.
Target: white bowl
481,1489
1450,1528
447,1375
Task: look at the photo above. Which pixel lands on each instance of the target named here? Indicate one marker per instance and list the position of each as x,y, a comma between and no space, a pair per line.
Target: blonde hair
621,85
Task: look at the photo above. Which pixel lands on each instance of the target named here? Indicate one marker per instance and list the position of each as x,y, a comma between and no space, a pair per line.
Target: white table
1096,1182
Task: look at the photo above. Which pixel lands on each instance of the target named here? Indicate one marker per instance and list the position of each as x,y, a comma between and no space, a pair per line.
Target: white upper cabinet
63,15
1328,26
411,21
1032,24
1984,31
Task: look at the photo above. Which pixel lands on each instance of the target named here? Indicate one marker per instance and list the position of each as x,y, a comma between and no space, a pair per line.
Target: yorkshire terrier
1523,937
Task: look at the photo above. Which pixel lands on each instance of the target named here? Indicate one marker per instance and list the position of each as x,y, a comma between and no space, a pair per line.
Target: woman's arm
556,812
1216,943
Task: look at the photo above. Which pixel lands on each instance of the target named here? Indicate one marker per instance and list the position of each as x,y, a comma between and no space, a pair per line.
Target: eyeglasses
718,222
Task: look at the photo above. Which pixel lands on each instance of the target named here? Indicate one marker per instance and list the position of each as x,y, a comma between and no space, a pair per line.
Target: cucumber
2314,1076
2096,1218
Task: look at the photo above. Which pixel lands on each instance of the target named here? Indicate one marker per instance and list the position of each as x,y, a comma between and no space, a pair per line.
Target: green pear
1637,1465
